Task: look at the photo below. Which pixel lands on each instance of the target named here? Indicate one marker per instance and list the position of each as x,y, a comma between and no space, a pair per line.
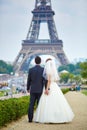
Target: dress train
53,108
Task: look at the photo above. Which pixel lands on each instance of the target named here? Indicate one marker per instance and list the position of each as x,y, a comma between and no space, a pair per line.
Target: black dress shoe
29,121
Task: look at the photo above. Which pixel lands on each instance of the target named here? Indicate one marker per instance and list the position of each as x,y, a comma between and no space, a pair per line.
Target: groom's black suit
35,86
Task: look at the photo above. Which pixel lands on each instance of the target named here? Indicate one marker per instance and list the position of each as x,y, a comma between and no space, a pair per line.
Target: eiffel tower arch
33,46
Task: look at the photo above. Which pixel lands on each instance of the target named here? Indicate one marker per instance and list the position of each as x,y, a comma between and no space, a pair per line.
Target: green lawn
1,94
84,92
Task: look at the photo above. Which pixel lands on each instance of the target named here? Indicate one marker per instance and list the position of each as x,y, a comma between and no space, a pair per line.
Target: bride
52,107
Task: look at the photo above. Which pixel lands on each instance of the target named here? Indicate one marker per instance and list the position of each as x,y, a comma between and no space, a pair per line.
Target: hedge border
13,109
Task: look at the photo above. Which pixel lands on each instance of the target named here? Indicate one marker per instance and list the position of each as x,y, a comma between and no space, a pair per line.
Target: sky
70,20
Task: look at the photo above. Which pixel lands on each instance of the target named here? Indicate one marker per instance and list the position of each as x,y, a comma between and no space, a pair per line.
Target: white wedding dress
53,108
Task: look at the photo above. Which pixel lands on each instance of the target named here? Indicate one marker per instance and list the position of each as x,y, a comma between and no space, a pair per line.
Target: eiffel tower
33,46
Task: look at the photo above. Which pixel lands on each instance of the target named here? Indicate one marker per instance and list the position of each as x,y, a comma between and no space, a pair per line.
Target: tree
71,68
77,79
84,69
65,77
5,68
62,67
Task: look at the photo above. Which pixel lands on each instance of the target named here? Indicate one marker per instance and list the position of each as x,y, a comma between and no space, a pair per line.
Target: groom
34,85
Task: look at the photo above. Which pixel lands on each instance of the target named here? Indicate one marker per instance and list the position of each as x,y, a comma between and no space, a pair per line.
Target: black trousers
33,98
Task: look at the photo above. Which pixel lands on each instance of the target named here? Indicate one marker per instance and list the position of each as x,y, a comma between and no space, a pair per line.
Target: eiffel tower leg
62,58
19,59
33,32
26,62
16,62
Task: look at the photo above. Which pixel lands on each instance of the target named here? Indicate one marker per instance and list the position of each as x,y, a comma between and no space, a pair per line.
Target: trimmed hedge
65,90
12,109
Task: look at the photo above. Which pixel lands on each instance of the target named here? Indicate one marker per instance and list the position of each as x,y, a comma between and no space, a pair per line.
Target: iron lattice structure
32,46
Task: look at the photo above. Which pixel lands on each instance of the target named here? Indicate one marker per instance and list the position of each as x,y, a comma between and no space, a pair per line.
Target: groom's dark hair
37,60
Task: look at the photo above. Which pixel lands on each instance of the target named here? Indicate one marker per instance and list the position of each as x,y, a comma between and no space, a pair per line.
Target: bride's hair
48,59
50,69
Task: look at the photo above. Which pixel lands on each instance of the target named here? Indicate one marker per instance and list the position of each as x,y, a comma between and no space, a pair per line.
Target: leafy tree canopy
71,68
84,69
5,68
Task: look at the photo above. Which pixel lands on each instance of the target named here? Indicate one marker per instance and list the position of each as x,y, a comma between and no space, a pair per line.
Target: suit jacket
35,79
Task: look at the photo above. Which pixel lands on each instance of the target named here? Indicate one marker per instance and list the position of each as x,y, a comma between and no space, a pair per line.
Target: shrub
13,109
65,90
